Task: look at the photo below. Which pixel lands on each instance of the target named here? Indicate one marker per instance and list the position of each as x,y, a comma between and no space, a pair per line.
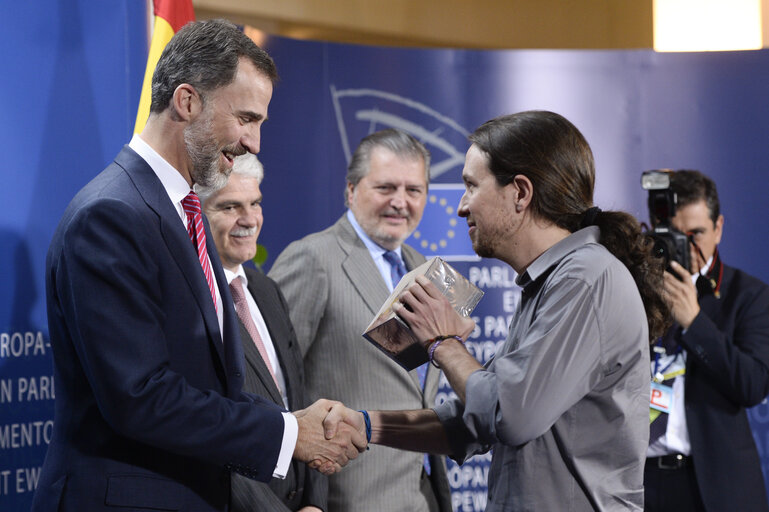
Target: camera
669,243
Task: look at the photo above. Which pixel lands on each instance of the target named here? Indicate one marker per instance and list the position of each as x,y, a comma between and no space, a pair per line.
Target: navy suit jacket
302,485
150,411
727,370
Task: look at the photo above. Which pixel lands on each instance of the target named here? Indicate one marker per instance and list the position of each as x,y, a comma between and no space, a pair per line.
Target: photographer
710,366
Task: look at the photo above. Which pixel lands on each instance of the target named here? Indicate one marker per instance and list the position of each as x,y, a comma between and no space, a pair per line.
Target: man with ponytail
563,405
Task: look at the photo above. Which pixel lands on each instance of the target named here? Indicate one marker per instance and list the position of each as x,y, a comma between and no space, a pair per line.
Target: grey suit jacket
334,289
302,486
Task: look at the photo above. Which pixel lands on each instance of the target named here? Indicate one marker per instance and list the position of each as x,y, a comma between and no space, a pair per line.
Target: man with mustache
335,281
273,366
150,412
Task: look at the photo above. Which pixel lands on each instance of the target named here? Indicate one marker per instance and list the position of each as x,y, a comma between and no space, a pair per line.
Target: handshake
330,435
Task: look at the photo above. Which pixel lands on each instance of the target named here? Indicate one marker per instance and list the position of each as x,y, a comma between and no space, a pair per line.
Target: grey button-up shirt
564,403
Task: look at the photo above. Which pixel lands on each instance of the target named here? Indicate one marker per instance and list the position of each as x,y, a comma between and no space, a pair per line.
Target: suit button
237,375
291,495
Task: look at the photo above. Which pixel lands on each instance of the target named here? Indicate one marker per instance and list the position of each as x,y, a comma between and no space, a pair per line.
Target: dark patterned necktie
397,271
241,307
397,268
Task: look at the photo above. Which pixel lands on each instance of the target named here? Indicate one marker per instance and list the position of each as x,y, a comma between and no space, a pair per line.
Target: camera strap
710,282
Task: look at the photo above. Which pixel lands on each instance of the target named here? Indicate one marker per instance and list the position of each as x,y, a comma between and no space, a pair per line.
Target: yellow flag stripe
161,35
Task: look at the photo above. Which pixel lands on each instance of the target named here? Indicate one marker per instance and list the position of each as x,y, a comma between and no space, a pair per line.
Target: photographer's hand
681,295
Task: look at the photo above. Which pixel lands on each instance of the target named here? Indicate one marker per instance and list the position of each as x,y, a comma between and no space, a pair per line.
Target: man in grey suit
273,366
335,281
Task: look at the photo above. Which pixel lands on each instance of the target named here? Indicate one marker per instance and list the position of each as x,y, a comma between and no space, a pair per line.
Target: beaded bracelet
437,341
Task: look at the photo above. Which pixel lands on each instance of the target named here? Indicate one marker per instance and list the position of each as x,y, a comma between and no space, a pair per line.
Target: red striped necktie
191,205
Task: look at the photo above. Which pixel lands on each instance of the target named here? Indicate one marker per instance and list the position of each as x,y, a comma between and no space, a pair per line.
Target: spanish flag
170,16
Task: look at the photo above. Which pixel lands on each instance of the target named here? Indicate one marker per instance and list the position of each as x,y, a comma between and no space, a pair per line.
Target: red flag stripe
176,12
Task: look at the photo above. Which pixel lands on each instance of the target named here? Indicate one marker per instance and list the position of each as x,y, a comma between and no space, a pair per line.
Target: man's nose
462,209
398,199
248,218
251,138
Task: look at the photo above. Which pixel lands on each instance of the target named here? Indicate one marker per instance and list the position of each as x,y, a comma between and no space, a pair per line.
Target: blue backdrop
73,71
72,74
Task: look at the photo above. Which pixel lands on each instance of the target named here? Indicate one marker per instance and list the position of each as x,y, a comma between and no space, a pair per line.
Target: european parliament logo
441,232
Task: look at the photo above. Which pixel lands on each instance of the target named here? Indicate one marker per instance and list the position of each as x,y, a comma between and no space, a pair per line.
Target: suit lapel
360,267
411,258
254,359
230,346
177,240
367,280
709,304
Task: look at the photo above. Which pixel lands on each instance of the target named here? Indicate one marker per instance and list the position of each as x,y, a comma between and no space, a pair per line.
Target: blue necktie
397,268
397,271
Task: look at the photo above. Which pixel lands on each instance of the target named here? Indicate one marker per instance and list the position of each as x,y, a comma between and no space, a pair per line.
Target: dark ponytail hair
621,234
552,153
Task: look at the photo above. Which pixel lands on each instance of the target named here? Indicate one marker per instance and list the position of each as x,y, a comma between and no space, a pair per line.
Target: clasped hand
328,445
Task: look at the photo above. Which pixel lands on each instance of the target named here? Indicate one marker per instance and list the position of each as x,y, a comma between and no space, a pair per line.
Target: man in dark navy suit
274,367
711,366
149,368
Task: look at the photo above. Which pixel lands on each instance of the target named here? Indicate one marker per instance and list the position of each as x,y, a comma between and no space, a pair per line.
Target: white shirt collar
230,275
703,271
174,184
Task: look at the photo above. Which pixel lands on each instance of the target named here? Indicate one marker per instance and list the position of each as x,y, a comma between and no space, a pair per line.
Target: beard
487,241
380,235
204,152
483,247
385,239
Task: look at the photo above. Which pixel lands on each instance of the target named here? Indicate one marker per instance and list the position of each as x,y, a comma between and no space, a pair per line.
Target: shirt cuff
290,433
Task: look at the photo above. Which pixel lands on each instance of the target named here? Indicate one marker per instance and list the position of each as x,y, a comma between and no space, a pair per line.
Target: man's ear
349,192
186,102
523,192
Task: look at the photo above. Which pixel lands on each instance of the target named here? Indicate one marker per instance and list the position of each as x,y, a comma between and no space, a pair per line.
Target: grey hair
247,165
399,142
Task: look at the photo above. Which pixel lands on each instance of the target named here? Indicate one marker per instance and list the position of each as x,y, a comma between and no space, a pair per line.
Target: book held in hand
391,334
